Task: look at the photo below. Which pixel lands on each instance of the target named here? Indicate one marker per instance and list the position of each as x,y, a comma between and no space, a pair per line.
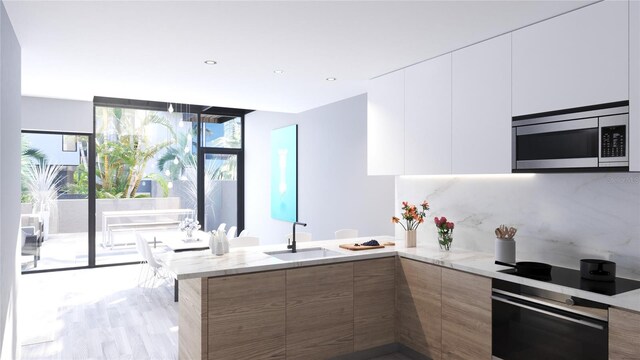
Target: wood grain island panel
374,303
418,307
466,316
319,307
246,316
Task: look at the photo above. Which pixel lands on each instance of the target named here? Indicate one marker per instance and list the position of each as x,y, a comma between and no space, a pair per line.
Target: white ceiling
154,50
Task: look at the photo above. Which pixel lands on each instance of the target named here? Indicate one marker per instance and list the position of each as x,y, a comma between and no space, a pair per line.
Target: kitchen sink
303,254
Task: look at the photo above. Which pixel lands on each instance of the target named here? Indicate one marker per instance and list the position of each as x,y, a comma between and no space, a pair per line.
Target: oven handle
590,123
546,312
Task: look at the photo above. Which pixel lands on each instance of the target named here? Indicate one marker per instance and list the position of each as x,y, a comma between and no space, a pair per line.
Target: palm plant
43,184
190,178
123,149
28,156
180,150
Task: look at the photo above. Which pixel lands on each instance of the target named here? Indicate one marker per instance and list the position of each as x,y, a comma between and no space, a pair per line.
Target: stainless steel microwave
591,138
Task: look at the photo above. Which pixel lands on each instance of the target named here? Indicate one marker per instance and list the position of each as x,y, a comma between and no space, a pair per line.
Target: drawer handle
546,312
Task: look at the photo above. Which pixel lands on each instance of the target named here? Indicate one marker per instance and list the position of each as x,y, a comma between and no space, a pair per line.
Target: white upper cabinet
385,125
634,86
576,59
428,117
481,125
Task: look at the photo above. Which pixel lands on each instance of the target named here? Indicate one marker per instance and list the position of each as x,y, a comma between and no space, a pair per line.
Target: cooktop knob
569,301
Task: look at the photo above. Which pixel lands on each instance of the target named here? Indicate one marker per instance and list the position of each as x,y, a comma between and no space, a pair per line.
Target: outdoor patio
66,250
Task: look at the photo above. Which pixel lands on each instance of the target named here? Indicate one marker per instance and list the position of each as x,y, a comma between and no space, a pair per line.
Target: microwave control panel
613,141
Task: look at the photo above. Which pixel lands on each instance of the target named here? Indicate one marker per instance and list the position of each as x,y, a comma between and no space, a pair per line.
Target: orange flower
395,220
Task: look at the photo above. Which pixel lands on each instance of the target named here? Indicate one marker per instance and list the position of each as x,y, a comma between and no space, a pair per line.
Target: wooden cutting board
361,247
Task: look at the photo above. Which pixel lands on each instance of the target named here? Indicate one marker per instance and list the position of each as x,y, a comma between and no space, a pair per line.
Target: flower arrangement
189,225
411,215
445,232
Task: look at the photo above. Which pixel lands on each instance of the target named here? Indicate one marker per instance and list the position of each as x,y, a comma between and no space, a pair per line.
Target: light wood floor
100,314
96,314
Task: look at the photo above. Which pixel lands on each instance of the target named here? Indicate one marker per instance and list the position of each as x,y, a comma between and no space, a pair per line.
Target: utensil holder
506,250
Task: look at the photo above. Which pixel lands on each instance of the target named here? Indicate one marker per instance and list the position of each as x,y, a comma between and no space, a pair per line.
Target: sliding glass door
221,190
148,166
146,178
55,202
221,173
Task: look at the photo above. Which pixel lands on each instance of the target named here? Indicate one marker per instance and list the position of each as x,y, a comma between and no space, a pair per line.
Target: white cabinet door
576,59
385,125
481,125
634,86
428,117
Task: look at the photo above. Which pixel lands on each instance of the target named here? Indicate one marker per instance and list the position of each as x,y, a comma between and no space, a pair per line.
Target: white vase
213,241
219,244
506,250
410,238
225,242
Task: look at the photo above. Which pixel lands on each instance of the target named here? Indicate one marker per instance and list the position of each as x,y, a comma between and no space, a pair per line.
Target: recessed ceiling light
210,62
331,79
278,71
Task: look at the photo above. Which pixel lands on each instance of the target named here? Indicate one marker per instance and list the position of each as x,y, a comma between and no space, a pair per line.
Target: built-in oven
588,139
533,324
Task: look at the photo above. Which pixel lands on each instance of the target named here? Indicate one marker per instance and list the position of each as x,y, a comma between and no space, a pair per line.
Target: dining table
177,241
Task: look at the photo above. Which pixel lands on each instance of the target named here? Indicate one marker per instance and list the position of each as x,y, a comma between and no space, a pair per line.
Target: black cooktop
571,278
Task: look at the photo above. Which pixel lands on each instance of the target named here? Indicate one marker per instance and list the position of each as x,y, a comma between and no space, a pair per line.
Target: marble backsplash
561,218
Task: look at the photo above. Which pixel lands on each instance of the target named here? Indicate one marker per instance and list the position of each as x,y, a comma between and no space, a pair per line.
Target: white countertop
196,264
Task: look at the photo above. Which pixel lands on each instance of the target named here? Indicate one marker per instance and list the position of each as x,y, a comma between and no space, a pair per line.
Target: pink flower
437,221
450,225
443,219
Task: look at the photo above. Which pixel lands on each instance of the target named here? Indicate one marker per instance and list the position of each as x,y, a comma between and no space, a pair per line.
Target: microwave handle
546,312
590,123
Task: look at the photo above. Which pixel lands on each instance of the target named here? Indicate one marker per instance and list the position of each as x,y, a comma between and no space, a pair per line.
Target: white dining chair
143,255
300,236
232,232
243,241
222,226
157,272
346,233
244,232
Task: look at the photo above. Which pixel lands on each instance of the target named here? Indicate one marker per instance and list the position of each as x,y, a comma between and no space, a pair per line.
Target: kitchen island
248,304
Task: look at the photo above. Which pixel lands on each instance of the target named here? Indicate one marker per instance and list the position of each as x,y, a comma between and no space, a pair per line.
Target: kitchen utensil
498,233
529,268
598,270
511,232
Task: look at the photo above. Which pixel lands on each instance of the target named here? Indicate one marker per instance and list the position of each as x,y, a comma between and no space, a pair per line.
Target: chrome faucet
292,246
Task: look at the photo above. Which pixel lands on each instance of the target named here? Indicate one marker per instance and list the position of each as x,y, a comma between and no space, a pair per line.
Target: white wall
561,218
57,115
334,190
9,184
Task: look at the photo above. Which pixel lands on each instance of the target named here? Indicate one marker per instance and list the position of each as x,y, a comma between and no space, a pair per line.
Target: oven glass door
527,331
558,145
568,144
